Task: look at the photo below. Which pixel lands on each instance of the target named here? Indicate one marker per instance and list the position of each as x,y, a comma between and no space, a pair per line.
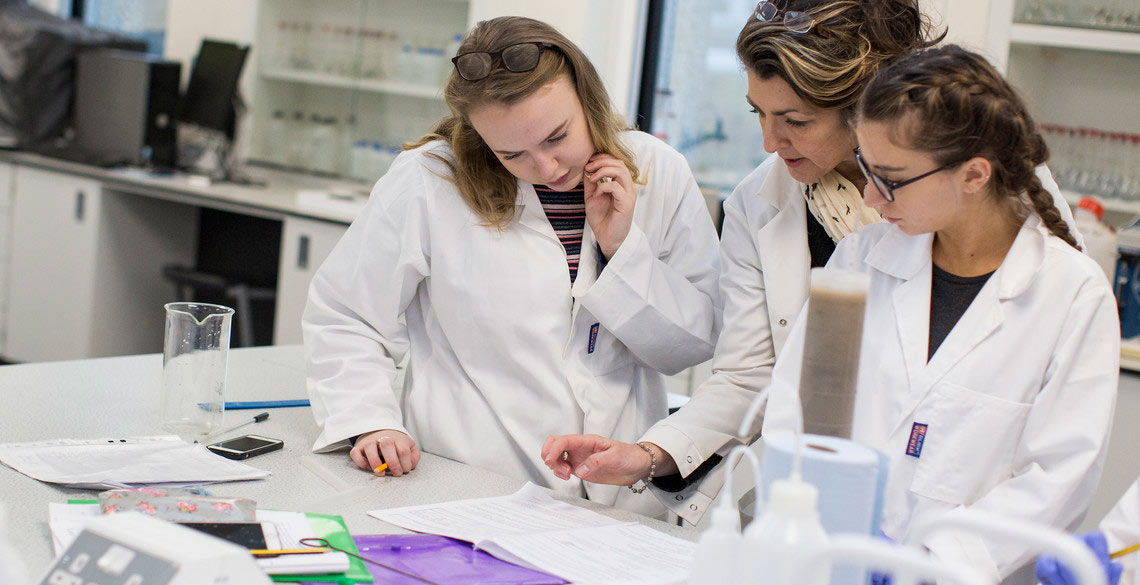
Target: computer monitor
213,86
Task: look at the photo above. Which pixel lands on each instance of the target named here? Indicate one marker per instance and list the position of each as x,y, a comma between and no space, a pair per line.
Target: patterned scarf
838,206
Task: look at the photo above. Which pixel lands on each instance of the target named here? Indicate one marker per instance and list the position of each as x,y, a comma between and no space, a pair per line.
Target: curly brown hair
829,65
954,105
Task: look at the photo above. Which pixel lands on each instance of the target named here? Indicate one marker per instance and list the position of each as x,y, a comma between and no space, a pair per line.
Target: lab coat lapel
985,313
530,213
908,258
785,259
588,262
981,318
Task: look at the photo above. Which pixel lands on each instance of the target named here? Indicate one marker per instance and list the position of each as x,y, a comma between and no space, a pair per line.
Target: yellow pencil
1125,551
257,552
382,467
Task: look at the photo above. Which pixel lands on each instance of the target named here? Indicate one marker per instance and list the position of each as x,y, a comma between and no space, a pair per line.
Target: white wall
190,21
235,21
981,25
51,6
608,31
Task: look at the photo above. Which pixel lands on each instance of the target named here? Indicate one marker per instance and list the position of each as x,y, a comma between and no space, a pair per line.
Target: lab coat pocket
601,351
968,443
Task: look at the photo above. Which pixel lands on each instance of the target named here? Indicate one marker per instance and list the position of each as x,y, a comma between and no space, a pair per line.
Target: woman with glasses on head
539,265
988,335
807,62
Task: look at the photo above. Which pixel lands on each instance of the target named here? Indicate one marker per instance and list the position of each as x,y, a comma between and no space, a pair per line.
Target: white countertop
277,199
119,397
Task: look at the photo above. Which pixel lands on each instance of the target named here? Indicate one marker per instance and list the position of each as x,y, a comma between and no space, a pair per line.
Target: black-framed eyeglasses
519,58
886,186
797,22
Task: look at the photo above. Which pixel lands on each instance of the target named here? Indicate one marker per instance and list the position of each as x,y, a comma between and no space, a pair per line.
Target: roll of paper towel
850,478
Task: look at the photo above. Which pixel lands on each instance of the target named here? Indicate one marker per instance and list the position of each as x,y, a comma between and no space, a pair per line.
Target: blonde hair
829,65
953,104
487,187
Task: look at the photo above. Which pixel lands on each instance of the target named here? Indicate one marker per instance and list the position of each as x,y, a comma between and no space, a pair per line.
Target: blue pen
266,404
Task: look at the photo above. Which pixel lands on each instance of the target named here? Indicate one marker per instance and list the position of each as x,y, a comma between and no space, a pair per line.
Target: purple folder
441,560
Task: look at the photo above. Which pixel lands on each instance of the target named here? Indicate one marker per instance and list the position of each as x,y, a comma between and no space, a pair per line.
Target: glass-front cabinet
341,84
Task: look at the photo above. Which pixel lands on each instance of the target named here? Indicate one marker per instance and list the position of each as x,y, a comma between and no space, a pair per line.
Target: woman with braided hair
986,329
807,61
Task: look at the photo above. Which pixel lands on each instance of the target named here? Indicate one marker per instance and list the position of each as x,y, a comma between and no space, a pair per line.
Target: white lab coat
765,265
503,352
765,274
1018,400
1121,527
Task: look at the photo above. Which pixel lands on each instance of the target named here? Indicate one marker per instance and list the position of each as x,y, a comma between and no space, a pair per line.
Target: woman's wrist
665,464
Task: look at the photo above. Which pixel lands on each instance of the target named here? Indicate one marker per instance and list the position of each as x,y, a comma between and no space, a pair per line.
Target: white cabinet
86,267
305,244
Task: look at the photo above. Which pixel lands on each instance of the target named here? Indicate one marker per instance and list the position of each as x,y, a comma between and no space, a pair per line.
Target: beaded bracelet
652,468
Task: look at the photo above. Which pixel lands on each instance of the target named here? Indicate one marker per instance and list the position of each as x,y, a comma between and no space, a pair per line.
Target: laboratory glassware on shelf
348,51
1119,15
1090,161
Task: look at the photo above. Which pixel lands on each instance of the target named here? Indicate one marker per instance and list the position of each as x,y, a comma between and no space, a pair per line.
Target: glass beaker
196,347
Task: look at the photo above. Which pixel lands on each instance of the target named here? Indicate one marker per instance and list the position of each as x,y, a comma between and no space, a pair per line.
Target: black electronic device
125,107
251,535
213,87
245,447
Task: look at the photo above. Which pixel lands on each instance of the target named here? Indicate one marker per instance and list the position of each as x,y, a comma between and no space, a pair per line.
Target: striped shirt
566,211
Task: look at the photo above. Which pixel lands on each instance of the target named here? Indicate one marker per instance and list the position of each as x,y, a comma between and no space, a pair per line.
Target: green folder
332,529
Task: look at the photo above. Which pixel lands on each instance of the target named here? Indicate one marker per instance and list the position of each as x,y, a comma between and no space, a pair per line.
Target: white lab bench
118,396
82,250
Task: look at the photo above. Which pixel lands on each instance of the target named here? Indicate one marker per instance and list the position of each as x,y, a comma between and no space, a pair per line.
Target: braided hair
956,106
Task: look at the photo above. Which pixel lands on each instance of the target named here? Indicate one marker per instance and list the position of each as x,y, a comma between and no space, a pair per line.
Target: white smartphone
245,447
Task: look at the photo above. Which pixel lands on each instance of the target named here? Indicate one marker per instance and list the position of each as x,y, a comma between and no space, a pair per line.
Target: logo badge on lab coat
593,338
917,437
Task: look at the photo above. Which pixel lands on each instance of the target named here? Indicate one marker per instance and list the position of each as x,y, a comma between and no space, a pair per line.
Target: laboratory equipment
125,107
883,557
830,369
1127,284
276,138
212,91
788,530
720,544
1038,538
133,549
194,360
208,114
1100,239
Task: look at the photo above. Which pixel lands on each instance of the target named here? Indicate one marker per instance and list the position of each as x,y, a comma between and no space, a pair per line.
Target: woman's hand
396,449
600,460
610,198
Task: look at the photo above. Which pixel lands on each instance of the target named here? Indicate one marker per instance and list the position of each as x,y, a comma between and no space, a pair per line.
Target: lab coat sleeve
1059,458
354,336
1121,526
742,366
658,293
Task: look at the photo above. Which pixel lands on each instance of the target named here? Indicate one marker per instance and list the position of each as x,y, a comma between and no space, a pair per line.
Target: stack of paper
532,529
123,462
